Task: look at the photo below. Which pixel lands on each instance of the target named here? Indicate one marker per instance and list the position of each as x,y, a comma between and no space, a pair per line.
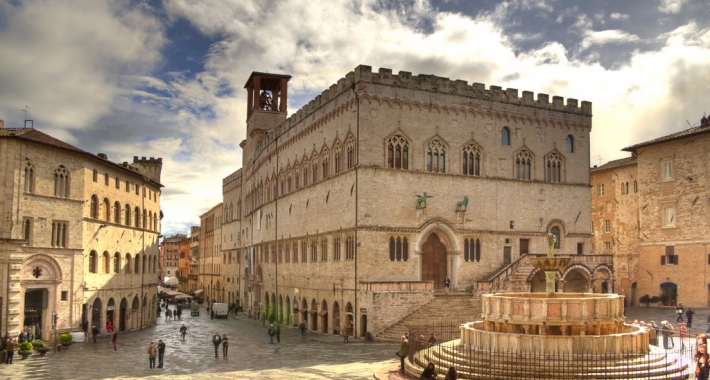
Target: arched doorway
336,318
288,310
304,310
313,312
281,309
134,314
434,261
323,314
349,315
576,282
96,313
36,301
110,312
123,315
538,283
669,294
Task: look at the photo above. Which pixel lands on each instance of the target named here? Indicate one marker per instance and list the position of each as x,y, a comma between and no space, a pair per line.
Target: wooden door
506,256
434,261
524,244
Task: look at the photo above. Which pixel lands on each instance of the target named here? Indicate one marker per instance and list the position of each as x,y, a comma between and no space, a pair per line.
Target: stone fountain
556,329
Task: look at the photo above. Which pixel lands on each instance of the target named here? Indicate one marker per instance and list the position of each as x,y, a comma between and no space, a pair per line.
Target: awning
312,311
303,310
183,296
171,281
323,312
199,291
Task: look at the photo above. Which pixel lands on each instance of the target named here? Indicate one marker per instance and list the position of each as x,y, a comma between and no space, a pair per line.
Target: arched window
523,165
94,207
397,152
155,267
314,251
155,222
61,182
556,231
477,256
295,252
145,217
288,181
436,157
96,175
553,168
314,171
399,248
505,136
128,263
239,209
107,262
127,216
137,264
325,157
93,258
117,212
471,160
337,158
144,262
59,234
472,250
106,179
137,217
392,249
128,186
107,210
570,144
29,176
304,252
466,250
118,182
116,262
304,170
350,152
296,176
27,229
636,187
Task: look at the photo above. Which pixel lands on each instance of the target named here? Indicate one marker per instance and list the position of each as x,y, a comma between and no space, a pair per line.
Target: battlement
430,83
151,167
143,160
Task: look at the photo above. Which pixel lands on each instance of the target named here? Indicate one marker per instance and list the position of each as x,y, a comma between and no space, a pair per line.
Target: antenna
599,158
27,108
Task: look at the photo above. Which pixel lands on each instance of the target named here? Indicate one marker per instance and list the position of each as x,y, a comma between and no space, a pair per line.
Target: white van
220,310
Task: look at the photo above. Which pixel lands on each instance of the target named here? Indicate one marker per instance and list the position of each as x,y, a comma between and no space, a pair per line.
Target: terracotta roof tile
615,164
673,136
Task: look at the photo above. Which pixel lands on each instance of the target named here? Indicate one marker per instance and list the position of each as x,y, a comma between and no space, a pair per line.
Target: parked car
195,309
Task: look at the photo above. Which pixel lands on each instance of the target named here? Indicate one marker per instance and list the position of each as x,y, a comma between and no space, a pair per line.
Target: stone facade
210,258
79,236
327,196
170,255
657,206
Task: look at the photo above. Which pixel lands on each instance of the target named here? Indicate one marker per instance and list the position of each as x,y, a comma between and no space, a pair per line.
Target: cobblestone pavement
315,356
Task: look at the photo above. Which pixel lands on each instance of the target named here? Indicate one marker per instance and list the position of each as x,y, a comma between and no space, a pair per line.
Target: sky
165,78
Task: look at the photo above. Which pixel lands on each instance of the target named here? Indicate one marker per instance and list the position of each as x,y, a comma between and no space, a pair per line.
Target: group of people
430,371
154,352
218,340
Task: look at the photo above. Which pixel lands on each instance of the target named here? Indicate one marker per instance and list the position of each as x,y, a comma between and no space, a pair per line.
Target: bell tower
267,102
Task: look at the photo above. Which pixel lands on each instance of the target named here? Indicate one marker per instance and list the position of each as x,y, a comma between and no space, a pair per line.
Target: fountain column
550,275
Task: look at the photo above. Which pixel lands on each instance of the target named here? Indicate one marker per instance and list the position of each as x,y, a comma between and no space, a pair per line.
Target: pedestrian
85,327
452,374
344,333
689,315
278,333
271,333
168,315
30,336
211,314
447,285
302,327
652,335
10,348
22,337
679,312
216,340
152,354
183,331
665,332
428,373
432,339
403,351
159,310
702,367
94,332
225,345
179,313
114,340
109,326
161,352
683,334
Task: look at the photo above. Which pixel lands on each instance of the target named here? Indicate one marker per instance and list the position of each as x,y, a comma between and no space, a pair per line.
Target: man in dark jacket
161,352
689,315
272,333
302,327
94,332
216,340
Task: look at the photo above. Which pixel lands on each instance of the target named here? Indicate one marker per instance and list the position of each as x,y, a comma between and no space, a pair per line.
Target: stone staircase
453,308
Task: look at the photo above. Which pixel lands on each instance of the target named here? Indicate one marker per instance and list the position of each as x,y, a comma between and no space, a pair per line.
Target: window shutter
670,250
675,260
663,260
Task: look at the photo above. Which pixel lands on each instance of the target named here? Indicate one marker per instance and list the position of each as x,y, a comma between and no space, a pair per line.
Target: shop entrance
35,311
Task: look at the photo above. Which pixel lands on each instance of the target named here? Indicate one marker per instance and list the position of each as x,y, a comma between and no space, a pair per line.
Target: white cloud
619,16
671,6
604,37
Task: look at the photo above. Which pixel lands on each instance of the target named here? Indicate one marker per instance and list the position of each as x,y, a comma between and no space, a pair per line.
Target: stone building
184,264
232,272
652,210
79,236
170,255
353,211
194,276
210,259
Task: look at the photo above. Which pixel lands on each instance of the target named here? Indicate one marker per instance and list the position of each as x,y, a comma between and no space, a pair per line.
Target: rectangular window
580,248
324,250
667,170
607,246
607,225
65,295
128,186
669,217
600,189
670,258
106,179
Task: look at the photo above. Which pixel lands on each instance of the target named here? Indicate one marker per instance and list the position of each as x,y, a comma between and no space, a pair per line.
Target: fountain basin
550,264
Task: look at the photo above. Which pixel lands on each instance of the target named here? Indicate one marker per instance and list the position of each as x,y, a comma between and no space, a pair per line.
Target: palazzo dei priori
352,212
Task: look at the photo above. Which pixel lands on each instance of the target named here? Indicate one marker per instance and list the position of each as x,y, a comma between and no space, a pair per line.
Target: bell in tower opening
265,102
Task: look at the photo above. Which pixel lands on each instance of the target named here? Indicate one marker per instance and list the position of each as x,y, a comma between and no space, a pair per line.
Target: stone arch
602,279
96,310
443,228
49,268
314,312
576,279
323,314
336,317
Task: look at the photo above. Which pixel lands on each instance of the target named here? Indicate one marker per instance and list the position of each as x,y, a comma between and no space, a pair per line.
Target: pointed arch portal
434,261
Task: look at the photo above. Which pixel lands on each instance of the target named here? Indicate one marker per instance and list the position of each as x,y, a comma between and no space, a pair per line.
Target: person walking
689,316
114,340
447,285
216,340
344,334
211,314
85,327
183,331
302,327
161,352
168,315
152,354
94,332
452,374
22,337
403,351
225,345
272,333
109,326
10,348
278,333
679,311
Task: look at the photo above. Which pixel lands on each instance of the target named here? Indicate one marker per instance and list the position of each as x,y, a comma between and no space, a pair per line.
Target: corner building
355,209
79,237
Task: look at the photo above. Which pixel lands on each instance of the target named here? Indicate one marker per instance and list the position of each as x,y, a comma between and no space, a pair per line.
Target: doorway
96,314
434,261
123,315
110,307
363,325
35,311
506,256
524,246
669,294
323,313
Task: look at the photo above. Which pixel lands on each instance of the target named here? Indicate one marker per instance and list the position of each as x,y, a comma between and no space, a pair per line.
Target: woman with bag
403,351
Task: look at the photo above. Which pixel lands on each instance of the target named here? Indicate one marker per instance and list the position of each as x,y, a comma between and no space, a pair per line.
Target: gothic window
283,184
324,159
553,168
556,231
399,249
471,160
29,176
397,152
274,185
117,212
505,136
304,169
350,152
287,255
239,209
570,144
94,207
295,252
336,248
314,251
59,234
337,158
297,177
288,182
523,165
324,250
61,182
304,252
472,250
314,171
137,217
349,249
107,262
435,157
93,258
116,262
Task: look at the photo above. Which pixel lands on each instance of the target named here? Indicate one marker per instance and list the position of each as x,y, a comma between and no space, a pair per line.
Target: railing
397,286
494,281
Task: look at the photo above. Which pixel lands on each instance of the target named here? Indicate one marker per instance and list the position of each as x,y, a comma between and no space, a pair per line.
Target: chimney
103,155
2,124
704,122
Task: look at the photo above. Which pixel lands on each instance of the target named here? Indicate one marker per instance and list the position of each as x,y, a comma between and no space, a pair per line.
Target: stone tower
150,167
267,103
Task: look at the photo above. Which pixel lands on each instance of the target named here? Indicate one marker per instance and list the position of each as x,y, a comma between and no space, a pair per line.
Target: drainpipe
356,243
